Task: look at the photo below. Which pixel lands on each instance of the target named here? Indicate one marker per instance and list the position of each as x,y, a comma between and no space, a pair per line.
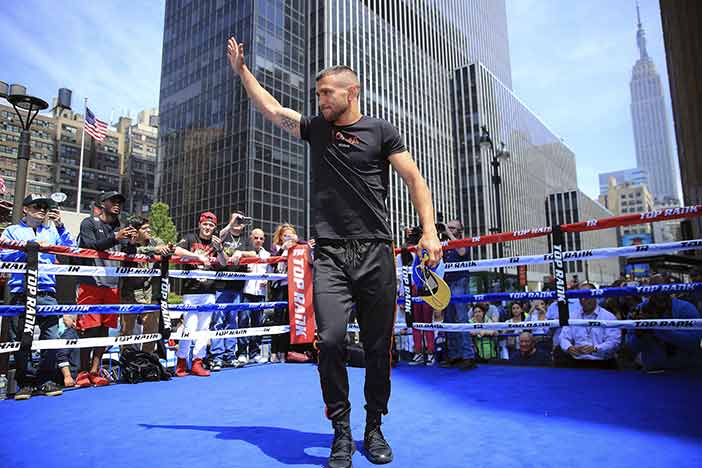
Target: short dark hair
137,221
335,70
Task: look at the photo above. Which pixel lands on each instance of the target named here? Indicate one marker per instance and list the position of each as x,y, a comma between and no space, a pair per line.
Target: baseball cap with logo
37,199
208,216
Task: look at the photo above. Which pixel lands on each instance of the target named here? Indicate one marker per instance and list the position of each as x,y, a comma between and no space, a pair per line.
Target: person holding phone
33,226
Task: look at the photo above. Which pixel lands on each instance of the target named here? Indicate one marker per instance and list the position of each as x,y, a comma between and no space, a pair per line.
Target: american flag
95,127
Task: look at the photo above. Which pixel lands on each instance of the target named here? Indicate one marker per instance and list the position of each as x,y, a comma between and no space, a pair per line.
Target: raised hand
235,54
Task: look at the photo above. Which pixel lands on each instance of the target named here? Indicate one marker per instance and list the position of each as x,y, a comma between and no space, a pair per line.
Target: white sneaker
241,361
417,359
260,359
430,360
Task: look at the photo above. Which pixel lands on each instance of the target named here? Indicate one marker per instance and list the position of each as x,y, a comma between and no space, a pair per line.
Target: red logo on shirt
351,140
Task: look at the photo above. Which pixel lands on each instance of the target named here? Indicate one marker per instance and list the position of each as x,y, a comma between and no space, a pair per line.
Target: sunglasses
39,206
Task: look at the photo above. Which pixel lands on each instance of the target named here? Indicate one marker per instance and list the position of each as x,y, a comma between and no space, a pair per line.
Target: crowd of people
587,347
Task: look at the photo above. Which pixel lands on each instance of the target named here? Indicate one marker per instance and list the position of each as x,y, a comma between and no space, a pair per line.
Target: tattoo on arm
288,124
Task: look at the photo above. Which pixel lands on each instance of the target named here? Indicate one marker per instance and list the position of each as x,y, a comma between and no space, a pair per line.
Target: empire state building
651,128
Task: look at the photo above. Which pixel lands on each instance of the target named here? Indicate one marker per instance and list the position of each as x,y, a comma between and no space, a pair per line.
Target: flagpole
82,149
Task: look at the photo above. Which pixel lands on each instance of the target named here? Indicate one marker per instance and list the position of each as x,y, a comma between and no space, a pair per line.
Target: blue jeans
224,349
460,345
250,345
49,330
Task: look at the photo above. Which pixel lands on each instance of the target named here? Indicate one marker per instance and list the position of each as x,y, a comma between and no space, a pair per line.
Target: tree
161,223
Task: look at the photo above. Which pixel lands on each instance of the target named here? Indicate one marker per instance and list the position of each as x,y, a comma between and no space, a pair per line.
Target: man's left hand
431,244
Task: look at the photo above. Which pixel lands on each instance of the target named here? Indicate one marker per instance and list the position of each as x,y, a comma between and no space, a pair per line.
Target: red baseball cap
208,216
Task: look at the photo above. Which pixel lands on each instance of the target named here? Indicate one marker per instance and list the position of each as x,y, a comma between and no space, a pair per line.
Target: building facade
654,152
125,160
539,163
628,198
40,171
139,167
633,176
681,21
102,161
219,154
574,206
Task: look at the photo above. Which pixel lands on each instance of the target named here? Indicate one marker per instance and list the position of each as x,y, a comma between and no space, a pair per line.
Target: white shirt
574,310
605,340
257,287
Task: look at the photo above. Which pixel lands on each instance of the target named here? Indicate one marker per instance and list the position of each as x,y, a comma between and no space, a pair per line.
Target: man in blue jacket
41,223
665,349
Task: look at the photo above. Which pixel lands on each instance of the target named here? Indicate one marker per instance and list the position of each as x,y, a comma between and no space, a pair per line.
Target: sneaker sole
56,393
22,397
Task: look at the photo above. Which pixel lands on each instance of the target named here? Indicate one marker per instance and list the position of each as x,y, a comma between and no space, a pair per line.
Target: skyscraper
217,151
654,152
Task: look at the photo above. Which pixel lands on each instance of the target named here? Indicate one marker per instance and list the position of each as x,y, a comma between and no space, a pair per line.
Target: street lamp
17,96
495,156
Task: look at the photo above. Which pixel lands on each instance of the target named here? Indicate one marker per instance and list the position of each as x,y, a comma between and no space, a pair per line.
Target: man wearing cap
41,223
102,233
198,291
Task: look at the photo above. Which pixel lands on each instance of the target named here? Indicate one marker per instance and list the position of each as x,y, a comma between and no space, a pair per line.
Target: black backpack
138,366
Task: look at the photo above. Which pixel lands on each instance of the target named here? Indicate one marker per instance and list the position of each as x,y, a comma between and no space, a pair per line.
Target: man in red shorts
101,233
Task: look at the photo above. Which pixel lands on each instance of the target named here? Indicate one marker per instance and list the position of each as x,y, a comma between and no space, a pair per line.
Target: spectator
537,311
592,347
198,291
509,345
483,339
574,311
68,358
665,349
542,336
528,354
460,345
139,290
423,339
284,239
41,222
694,297
249,347
223,350
102,233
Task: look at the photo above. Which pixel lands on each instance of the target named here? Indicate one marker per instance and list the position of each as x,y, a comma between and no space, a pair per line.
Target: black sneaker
50,389
24,393
377,449
343,446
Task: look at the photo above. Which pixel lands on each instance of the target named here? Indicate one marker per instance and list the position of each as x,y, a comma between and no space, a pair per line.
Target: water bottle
3,387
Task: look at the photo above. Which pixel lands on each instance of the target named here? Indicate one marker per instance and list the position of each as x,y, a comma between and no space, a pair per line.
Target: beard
333,114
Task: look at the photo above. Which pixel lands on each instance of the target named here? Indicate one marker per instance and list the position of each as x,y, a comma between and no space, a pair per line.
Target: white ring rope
572,256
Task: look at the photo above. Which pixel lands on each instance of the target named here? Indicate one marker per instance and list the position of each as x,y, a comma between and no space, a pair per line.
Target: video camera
413,234
243,220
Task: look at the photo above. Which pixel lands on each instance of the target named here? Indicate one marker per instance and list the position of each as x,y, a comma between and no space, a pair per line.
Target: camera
243,220
414,233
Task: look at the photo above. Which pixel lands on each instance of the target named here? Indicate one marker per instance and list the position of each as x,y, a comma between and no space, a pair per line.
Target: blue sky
571,63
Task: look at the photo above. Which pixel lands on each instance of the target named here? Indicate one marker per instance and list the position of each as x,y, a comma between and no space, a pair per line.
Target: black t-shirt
350,177
193,243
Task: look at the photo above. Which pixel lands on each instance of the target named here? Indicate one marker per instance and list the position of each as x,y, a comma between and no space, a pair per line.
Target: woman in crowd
483,339
284,239
510,344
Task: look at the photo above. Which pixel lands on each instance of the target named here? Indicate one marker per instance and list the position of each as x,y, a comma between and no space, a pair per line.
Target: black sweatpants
361,273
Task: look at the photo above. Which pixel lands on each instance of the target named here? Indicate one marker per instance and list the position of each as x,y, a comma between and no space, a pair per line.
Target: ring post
164,289
558,242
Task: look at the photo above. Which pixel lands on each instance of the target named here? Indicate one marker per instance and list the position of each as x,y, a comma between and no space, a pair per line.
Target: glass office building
539,163
218,153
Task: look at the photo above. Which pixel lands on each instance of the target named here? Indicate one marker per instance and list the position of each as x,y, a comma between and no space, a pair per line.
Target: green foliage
173,298
161,223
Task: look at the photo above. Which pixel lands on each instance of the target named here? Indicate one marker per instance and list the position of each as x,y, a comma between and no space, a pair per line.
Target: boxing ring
271,415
